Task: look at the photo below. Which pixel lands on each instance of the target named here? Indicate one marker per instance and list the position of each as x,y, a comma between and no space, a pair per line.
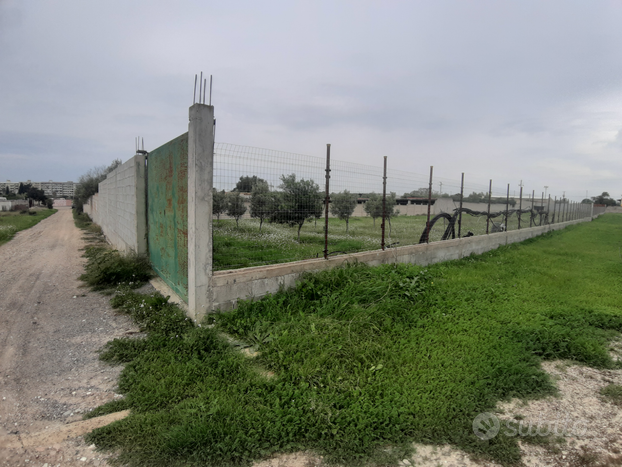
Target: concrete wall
119,207
7,205
230,286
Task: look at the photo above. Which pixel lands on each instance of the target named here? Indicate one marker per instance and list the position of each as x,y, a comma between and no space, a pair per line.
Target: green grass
367,360
245,246
107,268
12,222
613,393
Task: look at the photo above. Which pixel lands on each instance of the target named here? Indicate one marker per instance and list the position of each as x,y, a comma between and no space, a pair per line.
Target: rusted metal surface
326,201
168,213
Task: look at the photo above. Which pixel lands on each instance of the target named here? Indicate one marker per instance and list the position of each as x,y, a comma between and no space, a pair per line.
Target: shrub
106,268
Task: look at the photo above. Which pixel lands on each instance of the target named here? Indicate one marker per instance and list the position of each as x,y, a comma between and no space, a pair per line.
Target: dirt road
50,331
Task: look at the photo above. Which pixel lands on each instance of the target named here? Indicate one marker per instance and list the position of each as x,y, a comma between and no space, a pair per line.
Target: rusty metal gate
167,213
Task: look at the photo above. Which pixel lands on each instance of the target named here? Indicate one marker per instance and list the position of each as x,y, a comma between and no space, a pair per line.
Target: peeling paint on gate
167,192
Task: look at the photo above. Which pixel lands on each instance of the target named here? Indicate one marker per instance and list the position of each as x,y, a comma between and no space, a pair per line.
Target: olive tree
342,206
262,201
235,206
299,201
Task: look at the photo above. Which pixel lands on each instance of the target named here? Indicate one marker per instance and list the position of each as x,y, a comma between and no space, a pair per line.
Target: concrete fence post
200,184
141,211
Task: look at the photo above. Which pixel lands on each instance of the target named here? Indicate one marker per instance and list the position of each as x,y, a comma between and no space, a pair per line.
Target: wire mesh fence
274,207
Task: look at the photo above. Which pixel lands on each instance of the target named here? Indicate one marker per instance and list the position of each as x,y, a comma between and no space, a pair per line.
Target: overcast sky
508,90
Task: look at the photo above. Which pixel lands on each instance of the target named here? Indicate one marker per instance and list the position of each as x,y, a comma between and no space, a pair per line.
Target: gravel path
50,331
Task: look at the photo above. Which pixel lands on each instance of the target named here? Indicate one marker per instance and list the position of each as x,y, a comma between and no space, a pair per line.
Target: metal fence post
460,210
542,207
533,193
507,208
548,211
554,208
384,200
427,237
520,207
327,201
488,215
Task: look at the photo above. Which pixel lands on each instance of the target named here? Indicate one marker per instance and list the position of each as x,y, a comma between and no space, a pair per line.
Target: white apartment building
50,188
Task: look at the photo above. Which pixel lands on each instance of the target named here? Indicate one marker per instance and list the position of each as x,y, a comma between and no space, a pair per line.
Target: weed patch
613,393
106,268
367,360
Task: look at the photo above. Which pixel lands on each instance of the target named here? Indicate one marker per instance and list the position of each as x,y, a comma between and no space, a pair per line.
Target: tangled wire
450,231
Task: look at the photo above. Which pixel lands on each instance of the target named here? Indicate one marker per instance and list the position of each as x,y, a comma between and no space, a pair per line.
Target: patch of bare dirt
50,331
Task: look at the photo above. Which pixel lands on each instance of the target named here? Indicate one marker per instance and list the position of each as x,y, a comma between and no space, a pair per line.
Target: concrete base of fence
230,286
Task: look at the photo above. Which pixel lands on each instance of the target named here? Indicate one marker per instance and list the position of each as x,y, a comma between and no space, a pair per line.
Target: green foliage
299,201
235,206
246,183
107,268
262,202
613,393
374,207
342,205
367,360
605,199
88,184
219,203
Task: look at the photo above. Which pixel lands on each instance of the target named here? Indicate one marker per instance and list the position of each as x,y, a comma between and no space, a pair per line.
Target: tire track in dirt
50,331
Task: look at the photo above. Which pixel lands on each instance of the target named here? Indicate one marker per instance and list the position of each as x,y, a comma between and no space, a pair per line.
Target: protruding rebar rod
520,206
384,201
326,201
427,237
194,97
460,211
488,215
210,89
201,88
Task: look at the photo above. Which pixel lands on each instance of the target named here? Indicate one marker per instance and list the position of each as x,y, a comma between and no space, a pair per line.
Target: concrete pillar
141,211
200,182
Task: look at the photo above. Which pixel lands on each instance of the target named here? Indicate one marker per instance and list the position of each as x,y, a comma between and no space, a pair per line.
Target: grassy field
244,246
357,363
12,222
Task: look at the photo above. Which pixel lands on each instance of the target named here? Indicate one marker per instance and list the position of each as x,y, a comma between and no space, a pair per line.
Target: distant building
50,188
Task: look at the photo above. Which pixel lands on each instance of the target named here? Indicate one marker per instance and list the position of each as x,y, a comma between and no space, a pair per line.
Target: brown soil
50,331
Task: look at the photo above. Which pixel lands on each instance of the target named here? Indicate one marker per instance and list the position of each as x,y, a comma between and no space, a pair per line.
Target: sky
505,90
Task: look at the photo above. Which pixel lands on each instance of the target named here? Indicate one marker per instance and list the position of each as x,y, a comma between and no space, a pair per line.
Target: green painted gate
167,198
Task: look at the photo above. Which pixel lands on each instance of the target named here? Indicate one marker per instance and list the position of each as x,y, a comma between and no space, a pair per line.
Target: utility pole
441,189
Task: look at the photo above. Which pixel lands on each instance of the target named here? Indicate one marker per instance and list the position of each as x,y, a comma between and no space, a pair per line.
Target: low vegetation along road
50,331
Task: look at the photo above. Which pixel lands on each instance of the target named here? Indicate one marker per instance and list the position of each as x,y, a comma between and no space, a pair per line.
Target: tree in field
373,207
235,206
246,184
219,203
88,184
299,201
262,202
343,205
604,199
36,194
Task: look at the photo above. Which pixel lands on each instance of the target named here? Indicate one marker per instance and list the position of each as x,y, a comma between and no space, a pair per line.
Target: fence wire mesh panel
270,207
